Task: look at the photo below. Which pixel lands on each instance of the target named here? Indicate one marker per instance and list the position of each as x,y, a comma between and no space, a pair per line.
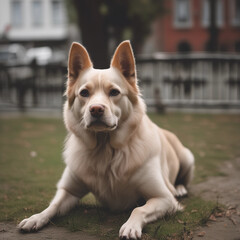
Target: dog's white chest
116,194
104,171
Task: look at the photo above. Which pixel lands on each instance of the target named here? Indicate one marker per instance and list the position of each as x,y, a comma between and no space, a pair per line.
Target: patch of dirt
8,231
225,190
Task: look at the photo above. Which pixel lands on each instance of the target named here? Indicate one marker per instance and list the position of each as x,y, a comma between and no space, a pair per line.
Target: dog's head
100,100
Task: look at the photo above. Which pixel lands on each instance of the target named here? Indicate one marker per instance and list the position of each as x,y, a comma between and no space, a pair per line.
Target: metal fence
183,81
196,80
31,86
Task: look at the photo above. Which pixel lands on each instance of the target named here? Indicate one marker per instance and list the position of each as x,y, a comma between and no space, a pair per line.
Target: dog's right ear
123,60
78,61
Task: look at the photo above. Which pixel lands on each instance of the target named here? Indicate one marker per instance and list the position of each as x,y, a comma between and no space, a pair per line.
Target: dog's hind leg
186,160
185,174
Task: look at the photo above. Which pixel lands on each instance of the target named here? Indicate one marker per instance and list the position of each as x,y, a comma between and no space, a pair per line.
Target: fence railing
32,86
196,80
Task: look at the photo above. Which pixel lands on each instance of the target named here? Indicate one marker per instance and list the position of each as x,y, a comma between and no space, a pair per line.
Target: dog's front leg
159,199
61,203
151,211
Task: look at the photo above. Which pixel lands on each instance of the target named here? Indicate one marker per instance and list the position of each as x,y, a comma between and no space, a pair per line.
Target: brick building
185,26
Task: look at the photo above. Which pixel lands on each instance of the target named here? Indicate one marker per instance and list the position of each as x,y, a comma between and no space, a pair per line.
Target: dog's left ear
123,60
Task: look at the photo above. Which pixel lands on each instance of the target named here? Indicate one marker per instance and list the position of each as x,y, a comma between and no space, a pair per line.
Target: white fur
132,161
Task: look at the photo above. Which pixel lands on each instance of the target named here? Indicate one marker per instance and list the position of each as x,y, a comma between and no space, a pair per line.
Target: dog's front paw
34,223
130,230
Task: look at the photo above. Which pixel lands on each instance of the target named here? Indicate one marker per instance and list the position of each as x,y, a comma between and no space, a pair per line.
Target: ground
225,226
226,190
213,139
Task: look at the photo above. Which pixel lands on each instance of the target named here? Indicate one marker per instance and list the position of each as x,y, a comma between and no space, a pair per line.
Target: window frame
61,15
176,22
233,18
19,23
220,14
37,24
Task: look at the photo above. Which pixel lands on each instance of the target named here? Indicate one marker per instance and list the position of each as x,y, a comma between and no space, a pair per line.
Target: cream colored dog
113,149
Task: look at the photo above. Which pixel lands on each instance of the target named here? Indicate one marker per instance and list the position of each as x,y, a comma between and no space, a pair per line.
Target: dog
113,149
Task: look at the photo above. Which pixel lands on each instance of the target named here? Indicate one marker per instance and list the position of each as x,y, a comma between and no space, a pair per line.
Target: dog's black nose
97,110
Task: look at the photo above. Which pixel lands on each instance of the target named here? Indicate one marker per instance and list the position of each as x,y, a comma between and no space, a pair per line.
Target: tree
102,20
213,29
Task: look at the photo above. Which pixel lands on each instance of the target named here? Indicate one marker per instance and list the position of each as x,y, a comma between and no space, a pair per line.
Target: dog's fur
113,149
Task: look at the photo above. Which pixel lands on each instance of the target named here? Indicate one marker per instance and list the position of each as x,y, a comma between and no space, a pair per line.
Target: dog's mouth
99,126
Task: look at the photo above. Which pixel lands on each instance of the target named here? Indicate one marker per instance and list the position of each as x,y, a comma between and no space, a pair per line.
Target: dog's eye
114,92
84,93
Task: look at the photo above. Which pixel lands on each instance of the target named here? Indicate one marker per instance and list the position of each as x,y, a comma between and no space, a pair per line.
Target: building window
205,13
182,14
16,13
235,12
58,14
37,13
219,11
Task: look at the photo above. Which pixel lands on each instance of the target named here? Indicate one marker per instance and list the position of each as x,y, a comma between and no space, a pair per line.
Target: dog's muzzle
98,121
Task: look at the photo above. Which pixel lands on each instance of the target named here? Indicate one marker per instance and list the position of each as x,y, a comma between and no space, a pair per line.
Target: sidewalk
225,190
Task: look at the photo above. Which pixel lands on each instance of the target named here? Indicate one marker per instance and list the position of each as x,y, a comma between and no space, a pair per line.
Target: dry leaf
201,234
194,210
231,207
212,218
180,221
219,214
230,212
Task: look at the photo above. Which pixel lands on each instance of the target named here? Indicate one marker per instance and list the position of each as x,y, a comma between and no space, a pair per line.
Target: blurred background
187,51
188,59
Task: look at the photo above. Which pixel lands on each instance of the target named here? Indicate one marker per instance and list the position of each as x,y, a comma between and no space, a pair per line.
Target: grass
31,164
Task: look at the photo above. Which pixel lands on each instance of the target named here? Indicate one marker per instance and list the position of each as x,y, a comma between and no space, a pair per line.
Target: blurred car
45,55
14,60
42,55
13,54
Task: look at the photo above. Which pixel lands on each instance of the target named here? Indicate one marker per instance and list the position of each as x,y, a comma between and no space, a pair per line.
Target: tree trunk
94,31
213,30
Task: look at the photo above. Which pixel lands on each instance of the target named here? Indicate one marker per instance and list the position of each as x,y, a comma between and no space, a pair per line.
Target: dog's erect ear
123,60
78,61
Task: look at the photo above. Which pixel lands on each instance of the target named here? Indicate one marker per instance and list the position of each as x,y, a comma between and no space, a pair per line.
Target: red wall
168,37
